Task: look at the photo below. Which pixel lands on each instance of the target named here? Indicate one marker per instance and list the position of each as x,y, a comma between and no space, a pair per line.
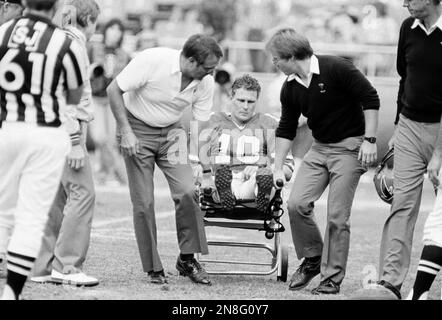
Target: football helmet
383,178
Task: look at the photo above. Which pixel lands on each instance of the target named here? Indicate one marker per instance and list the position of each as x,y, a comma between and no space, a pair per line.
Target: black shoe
391,287
193,270
223,183
158,277
305,273
327,287
264,181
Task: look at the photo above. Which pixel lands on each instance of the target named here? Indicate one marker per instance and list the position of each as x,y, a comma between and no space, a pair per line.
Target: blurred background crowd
365,31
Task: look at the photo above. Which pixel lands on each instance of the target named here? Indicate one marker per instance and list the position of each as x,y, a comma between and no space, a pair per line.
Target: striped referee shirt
38,62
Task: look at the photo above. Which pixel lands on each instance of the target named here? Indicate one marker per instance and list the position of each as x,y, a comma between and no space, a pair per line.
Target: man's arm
77,156
286,131
401,65
270,137
75,73
75,67
83,115
201,145
208,151
283,146
358,86
133,77
129,143
203,105
436,162
368,153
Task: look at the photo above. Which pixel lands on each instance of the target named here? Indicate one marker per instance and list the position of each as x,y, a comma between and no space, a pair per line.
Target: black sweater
333,104
419,65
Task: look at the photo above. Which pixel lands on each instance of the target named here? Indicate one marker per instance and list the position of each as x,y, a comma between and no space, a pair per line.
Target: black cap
14,1
43,4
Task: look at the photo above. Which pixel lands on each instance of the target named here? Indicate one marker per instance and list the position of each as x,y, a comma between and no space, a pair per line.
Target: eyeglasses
276,60
207,68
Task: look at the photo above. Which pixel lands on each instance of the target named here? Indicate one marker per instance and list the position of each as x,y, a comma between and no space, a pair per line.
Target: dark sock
186,257
16,282
22,265
156,273
429,266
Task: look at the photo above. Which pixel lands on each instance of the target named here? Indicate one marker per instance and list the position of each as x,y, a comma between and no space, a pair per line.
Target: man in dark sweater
418,148
341,107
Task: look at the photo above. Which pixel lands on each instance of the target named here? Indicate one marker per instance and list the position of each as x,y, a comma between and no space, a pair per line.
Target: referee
9,9
40,72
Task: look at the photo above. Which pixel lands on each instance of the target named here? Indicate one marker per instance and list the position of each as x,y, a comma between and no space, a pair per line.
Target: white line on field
161,233
168,234
125,190
113,237
105,223
360,204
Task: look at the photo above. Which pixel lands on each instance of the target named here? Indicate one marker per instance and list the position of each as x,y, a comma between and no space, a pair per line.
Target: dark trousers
157,145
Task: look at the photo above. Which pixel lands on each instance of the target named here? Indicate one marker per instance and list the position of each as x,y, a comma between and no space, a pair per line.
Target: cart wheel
283,264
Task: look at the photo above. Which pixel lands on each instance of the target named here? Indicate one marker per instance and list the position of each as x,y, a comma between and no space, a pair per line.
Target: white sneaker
423,297
8,294
79,279
42,279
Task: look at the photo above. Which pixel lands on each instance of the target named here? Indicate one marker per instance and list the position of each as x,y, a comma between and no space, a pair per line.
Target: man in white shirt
148,99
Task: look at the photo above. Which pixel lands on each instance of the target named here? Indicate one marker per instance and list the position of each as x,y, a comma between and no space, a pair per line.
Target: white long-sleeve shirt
83,111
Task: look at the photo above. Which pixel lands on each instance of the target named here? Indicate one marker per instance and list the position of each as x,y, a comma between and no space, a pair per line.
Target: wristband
75,139
207,171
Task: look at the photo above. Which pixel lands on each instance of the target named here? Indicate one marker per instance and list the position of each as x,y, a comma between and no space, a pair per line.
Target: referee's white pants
433,225
31,165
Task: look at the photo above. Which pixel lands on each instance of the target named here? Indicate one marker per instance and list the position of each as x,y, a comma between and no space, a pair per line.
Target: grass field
113,255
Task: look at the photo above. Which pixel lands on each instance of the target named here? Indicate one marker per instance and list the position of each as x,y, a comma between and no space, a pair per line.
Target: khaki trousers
68,231
337,166
413,150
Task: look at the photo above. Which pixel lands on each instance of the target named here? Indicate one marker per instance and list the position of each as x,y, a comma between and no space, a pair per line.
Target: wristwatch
370,139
